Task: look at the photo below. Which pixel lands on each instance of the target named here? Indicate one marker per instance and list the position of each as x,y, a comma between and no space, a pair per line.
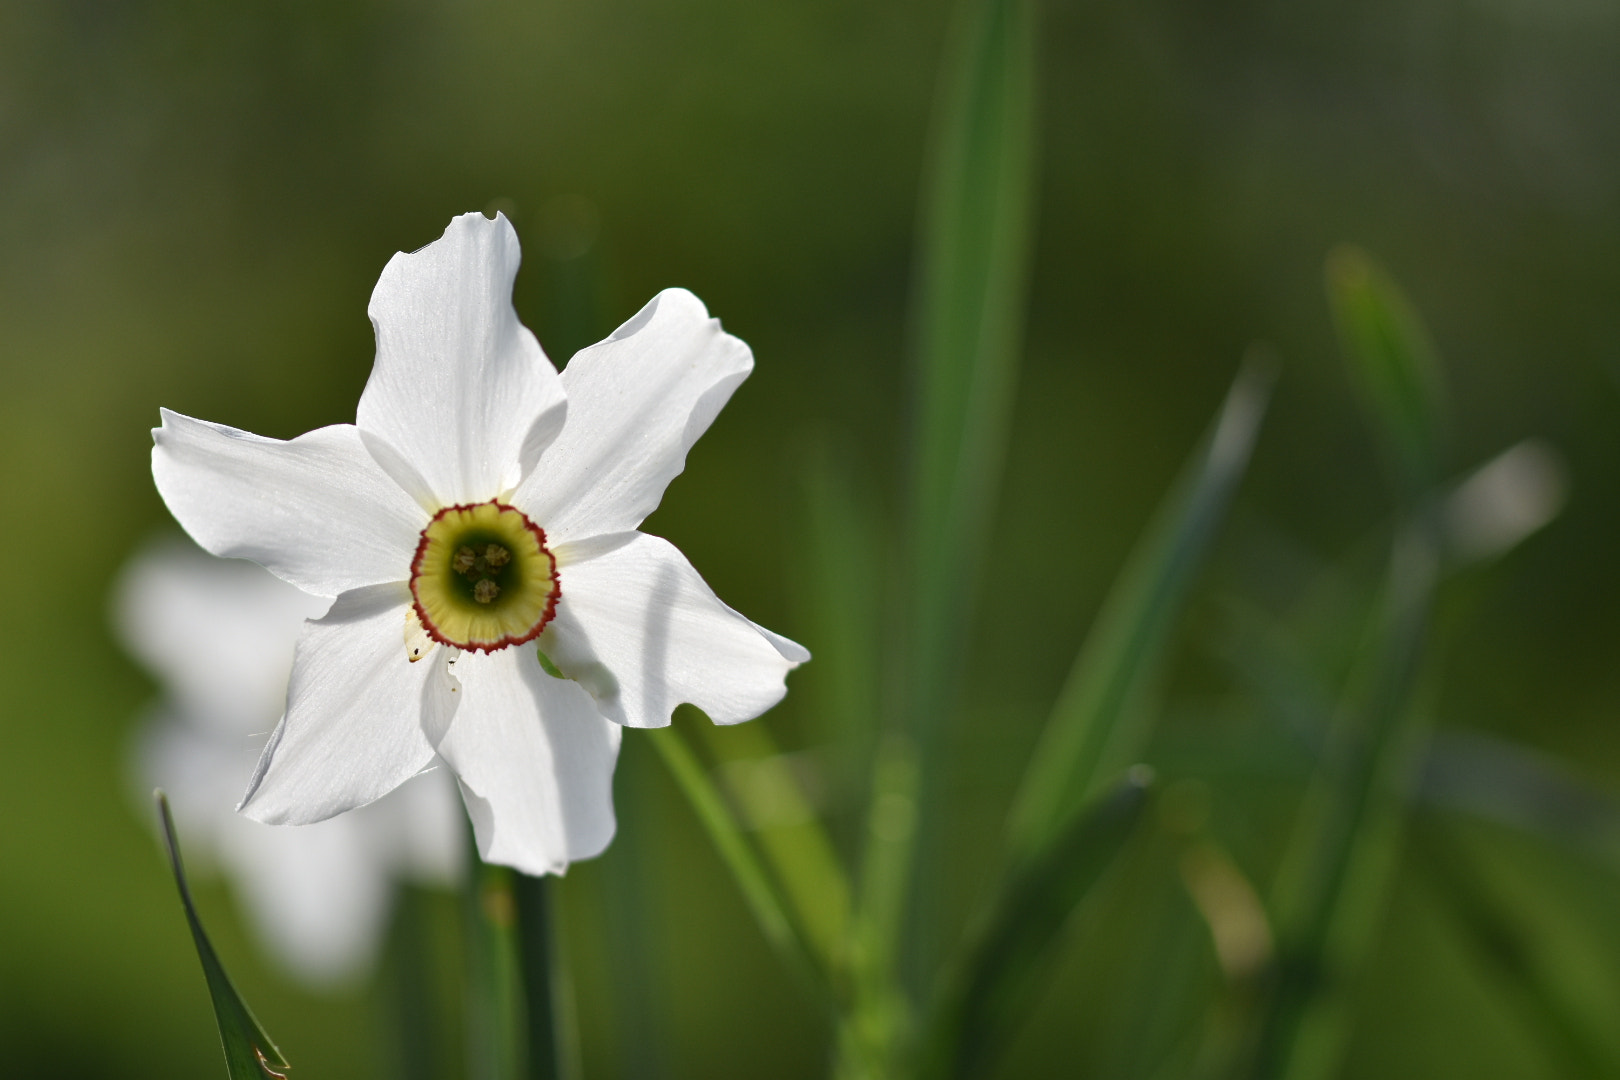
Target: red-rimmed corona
482,578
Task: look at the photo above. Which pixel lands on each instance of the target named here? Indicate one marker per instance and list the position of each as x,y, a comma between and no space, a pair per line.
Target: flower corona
483,578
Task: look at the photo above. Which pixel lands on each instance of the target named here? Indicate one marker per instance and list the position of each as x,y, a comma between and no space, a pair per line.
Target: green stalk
544,987
497,1044
421,987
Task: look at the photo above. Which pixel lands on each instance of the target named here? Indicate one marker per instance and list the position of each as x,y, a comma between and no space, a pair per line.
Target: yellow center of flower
483,578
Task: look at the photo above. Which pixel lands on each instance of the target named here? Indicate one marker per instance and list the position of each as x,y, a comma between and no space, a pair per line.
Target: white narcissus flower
477,526
219,636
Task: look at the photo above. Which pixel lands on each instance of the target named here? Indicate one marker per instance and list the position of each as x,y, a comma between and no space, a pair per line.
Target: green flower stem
880,1011
545,986
497,1043
764,897
422,985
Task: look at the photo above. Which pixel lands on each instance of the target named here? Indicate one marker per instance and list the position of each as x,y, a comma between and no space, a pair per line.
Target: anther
496,556
465,559
486,590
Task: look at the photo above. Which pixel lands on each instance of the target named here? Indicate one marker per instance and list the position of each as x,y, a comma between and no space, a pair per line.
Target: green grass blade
840,596
969,319
1392,365
1330,892
975,240
1494,927
986,995
1496,780
249,1052
770,908
1335,877
1096,730
773,803
975,244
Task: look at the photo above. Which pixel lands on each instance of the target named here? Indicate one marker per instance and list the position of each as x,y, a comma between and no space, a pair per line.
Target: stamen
485,591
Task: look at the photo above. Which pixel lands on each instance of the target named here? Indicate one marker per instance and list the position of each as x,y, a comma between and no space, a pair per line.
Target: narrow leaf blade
984,999
974,249
1392,363
975,244
772,910
1096,729
249,1052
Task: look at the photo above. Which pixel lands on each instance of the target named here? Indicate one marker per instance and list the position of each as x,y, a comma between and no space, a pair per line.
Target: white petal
636,404
535,761
461,401
642,632
218,633
316,511
355,712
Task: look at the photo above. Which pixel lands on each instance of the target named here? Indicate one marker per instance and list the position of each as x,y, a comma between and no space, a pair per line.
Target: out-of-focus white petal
355,708
636,404
641,631
218,633
1504,501
461,399
425,829
535,761
316,511
318,895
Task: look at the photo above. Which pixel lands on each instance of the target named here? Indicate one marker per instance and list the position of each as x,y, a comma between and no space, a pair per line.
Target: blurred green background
196,199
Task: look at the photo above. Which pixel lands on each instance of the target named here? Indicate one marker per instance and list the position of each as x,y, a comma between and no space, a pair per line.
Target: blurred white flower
1504,501
485,504
219,635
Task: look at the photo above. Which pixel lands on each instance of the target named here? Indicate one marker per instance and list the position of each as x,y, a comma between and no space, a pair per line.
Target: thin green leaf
764,897
974,247
1096,729
1331,888
1335,876
839,594
1495,929
249,1052
975,244
1496,780
985,997
764,786
1392,365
